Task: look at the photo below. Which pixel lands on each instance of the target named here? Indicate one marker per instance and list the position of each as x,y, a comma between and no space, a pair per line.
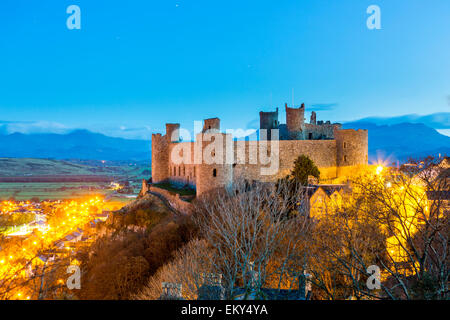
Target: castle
215,159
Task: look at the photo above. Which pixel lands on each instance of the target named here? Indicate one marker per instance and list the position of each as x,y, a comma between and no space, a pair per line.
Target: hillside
28,166
139,239
31,167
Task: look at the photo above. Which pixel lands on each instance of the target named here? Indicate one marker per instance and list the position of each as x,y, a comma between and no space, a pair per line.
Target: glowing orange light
379,170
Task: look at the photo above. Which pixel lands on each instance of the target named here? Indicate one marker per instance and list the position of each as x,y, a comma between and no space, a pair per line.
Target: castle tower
215,170
173,132
295,118
313,119
211,124
268,121
351,147
160,158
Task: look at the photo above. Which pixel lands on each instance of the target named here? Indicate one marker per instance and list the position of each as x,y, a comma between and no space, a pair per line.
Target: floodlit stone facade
214,160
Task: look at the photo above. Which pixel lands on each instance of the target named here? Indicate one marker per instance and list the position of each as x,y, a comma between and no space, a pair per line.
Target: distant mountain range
78,144
440,120
402,141
398,141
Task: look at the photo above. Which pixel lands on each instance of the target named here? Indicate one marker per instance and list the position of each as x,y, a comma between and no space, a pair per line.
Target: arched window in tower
345,145
345,158
214,172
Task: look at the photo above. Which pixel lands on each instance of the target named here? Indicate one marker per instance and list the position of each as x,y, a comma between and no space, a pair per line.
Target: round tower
160,158
352,147
216,169
295,118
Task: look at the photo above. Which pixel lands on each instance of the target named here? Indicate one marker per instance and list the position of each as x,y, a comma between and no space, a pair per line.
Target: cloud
439,120
123,131
445,132
322,106
30,127
36,127
254,124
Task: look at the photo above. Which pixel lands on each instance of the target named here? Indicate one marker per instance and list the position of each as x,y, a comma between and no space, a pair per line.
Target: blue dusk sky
137,64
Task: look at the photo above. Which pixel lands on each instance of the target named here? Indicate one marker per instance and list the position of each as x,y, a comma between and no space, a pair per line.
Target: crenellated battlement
332,148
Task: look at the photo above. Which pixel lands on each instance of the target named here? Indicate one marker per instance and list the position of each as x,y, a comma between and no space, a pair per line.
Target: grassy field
62,191
59,180
24,167
49,191
181,191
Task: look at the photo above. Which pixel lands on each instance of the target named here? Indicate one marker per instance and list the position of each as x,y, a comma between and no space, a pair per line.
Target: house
59,244
323,197
102,216
46,258
171,291
73,237
439,198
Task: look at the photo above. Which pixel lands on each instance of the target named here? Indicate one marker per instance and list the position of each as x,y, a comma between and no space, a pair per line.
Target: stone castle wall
333,150
268,121
174,200
350,148
322,152
319,131
184,173
214,171
211,124
295,118
160,158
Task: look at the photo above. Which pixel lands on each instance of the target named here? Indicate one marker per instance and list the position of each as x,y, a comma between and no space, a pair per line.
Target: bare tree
258,234
37,277
189,265
396,220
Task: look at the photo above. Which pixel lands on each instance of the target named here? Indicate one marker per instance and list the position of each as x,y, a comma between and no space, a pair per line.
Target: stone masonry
334,150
